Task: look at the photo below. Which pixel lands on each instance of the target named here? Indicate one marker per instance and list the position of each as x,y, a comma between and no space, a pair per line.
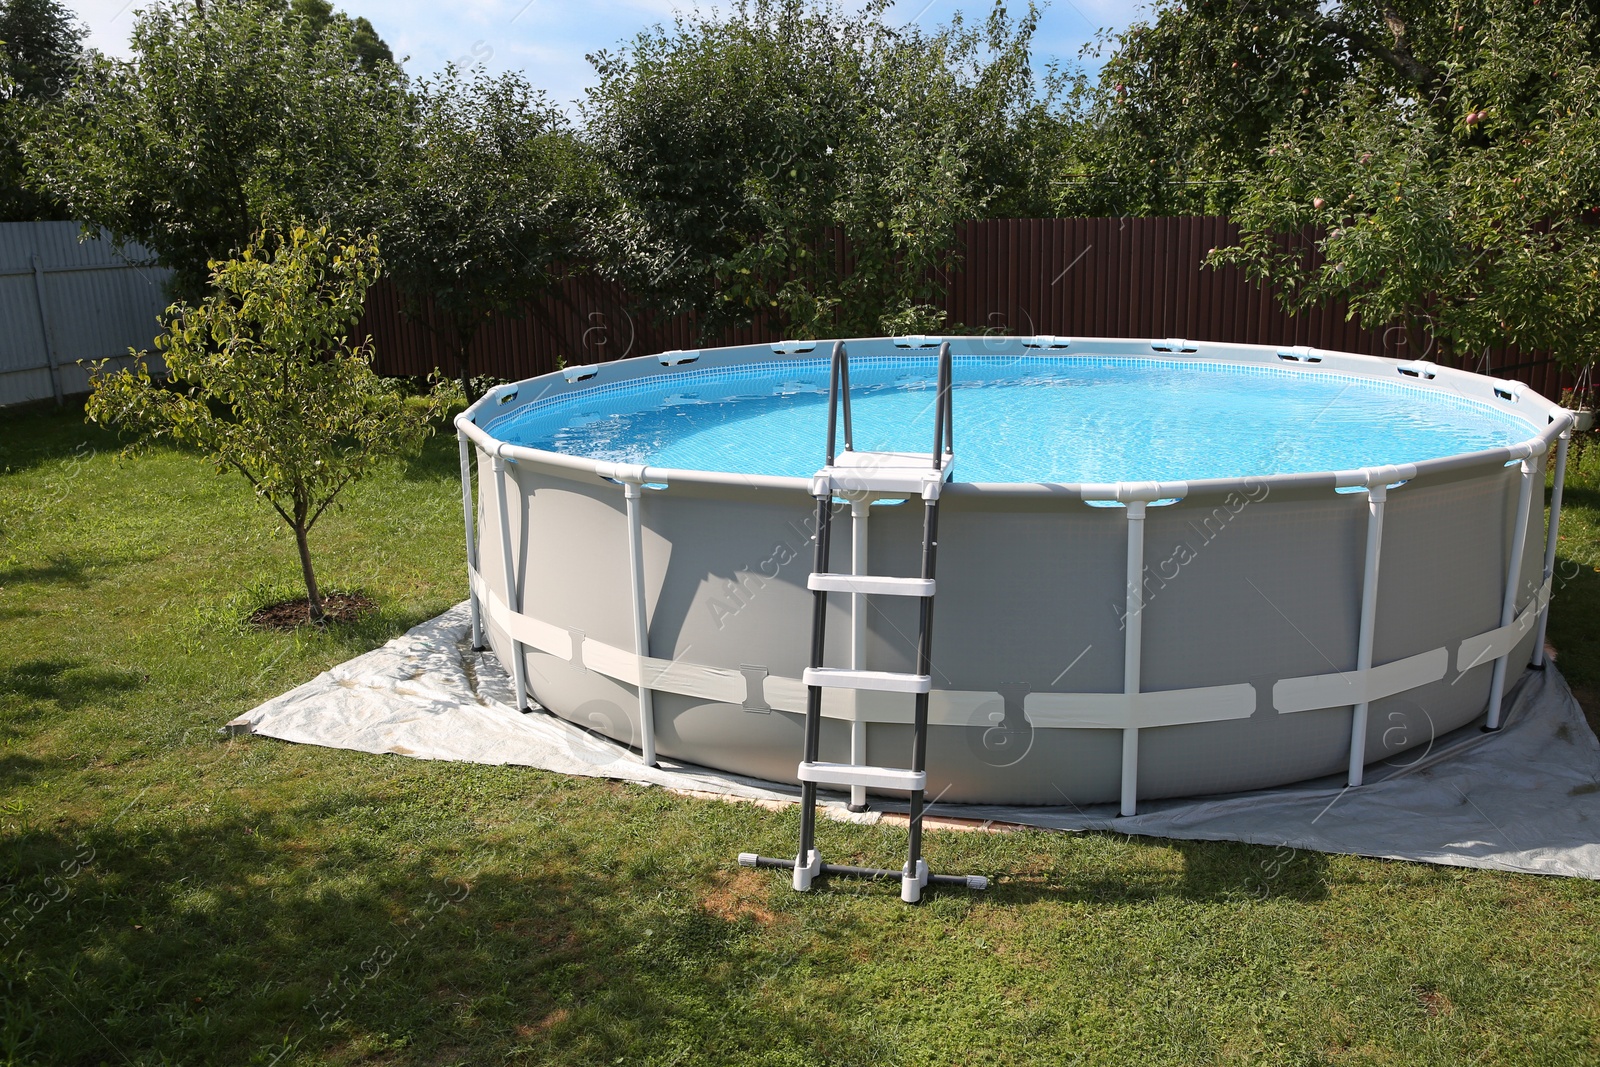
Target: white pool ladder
853,474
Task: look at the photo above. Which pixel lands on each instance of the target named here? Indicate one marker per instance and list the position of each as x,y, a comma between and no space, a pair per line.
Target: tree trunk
313,594
463,341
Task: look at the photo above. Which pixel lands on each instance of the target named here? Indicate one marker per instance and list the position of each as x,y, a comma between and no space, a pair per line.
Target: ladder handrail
943,431
839,396
839,386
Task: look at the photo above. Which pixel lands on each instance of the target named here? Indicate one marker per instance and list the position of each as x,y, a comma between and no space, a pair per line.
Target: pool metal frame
501,617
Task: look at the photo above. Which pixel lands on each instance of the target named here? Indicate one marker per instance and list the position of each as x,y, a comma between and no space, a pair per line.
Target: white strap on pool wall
1348,688
1499,642
1139,711
946,707
522,628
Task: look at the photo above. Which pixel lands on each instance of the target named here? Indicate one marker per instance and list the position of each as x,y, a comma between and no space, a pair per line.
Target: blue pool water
1030,419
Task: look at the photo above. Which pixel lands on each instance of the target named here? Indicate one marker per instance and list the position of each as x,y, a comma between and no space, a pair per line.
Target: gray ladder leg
915,875
808,862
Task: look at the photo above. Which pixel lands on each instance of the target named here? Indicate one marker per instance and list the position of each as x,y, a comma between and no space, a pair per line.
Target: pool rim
1507,395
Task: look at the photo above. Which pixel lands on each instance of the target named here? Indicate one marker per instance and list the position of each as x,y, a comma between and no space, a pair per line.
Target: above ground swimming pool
1166,568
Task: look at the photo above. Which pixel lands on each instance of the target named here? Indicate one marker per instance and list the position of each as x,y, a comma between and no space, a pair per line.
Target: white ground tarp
1524,799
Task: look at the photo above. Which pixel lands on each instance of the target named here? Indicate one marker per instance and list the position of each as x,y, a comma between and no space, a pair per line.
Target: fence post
45,330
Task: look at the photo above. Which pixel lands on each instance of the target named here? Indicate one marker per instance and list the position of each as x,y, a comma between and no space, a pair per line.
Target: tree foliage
1189,97
318,18
40,50
241,113
485,204
41,47
1185,101
804,163
1465,210
266,379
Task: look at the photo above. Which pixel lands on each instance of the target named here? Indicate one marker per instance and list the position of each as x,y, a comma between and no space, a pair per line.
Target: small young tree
270,383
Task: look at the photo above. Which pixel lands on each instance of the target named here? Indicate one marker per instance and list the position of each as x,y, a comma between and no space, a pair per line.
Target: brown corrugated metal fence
1129,277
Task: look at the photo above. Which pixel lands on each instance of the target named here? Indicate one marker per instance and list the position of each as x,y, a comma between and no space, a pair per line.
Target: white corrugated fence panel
22,340
98,302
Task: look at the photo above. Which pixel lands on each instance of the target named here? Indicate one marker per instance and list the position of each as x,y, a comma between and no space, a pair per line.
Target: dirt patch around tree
289,614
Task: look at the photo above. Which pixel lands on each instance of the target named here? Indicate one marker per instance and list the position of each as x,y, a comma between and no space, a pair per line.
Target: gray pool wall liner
1247,586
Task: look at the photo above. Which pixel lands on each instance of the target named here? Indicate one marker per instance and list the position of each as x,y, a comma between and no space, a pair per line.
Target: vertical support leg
808,863
641,622
519,669
1550,541
1132,653
472,539
915,873
859,510
1508,606
1377,496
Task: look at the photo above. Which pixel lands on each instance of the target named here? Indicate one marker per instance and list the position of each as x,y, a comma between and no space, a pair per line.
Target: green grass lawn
177,896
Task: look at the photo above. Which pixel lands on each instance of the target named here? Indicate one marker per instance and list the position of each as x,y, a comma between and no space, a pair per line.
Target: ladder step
912,473
871,583
870,777
881,681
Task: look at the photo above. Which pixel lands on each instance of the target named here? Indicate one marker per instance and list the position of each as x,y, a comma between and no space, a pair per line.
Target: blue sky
548,40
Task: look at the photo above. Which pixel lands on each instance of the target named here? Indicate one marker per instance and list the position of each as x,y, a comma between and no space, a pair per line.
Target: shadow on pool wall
1245,597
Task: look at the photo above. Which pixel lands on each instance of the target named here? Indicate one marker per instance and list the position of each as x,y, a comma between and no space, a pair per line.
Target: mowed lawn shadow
17,770
56,574
231,938
56,570
67,683
40,434
1211,871
38,689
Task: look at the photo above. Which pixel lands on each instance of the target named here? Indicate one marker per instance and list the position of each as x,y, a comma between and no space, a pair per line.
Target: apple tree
265,378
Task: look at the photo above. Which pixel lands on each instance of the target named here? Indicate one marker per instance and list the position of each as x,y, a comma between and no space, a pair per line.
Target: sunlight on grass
179,896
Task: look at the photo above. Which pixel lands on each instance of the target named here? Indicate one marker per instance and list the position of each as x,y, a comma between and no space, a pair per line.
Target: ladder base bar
968,881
